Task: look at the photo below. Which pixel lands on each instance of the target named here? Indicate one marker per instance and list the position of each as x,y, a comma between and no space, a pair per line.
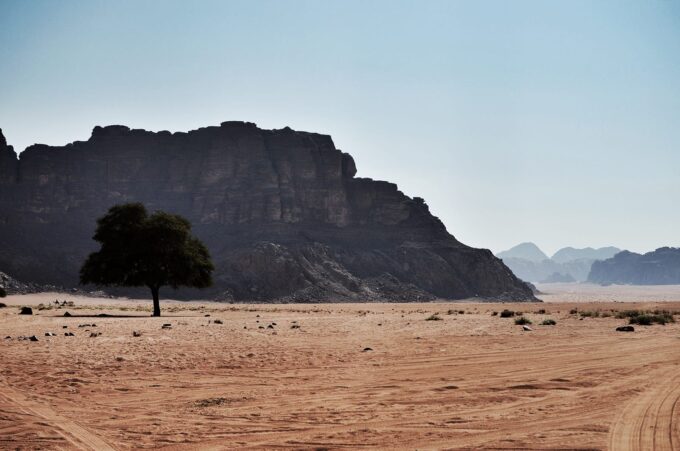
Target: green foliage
138,249
548,322
507,313
647,319
522,320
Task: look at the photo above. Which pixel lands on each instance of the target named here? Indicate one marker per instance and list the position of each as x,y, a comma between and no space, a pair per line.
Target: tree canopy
138,249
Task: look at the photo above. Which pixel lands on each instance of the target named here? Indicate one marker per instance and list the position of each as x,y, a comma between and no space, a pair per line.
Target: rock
64,327
67,314
207,316
94,334
367,349
3,305
33,338
69,334
166,326
625,329
50,334
526,328
270,326
8,337
26,311
660,267
218,321
282,212
295,326
136,333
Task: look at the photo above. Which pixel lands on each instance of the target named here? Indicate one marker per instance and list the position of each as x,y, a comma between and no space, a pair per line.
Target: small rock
33,338
26,311
250,355
367,349
64,327
50,334
270,327
625,329
136,333
94,334
166,326
67,314
218,321
527,328
208,315
69,334
273,324
295,326
8,337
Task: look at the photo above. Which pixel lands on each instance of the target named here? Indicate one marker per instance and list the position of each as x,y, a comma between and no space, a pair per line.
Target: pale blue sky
544,121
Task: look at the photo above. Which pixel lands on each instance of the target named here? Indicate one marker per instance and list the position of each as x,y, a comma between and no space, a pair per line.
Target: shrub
573,311
522,320
548,322
2,305
541,311
507,313
433,317
589,314
451,312
647,319
494,313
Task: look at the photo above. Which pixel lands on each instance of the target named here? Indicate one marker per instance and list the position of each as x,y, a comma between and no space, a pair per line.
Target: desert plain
342,376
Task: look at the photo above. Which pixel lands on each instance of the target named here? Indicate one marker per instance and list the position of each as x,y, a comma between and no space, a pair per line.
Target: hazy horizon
555,123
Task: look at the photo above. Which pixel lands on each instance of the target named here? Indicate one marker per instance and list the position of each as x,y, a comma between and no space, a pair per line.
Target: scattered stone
67,314
119,359
33,338
274,324
526,328
295,326
250,355
260,327
69,334
26,311
83,325
136,333
270,327
50,334
218,321
64,327
8,337
166,326
3,305
93,325
625,329
367,349
94,334
208,315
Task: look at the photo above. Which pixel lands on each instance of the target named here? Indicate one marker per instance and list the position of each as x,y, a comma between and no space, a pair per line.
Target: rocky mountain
529,263
282,212
569,254
524,251
660,267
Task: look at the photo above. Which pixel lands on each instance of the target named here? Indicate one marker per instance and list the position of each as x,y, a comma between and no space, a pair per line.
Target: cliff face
281,211
660,267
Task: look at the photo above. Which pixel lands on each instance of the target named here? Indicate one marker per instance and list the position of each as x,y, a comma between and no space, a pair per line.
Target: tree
138,249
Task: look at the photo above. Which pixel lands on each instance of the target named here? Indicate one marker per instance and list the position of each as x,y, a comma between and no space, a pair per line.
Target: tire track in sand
77,435
651,420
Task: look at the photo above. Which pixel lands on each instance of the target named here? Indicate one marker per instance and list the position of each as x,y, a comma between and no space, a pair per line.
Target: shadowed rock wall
281,211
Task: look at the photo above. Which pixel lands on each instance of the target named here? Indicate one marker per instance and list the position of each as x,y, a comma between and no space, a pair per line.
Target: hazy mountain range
660,267
568,264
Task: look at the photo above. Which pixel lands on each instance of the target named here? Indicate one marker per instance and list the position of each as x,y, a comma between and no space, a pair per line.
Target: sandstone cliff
659,267
281,211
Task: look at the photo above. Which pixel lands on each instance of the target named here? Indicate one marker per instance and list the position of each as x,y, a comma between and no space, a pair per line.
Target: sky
553,122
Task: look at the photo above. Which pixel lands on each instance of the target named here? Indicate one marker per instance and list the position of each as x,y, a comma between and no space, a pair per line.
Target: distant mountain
660,267
525,251
568,254
531,264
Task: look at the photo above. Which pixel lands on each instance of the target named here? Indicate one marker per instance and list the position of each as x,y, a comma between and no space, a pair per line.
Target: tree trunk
156,301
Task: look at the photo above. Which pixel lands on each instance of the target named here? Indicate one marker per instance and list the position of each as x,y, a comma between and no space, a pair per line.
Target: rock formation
660,267
529,263
281,211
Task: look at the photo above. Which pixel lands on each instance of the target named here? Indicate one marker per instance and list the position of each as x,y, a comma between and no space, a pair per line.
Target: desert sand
301,377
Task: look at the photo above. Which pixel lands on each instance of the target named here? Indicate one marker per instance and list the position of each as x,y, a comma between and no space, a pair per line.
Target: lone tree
138,249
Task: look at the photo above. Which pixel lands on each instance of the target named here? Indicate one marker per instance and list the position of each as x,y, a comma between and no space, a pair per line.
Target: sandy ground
469,381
